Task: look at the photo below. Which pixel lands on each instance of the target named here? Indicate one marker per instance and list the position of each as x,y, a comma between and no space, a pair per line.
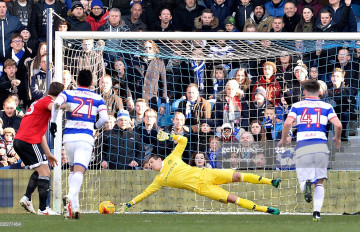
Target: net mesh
160,71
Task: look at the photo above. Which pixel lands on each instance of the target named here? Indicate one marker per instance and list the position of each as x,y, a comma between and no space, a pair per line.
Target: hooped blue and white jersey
82,106
312,117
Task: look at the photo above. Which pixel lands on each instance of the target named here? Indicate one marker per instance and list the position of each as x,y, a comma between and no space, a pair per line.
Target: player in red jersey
31,145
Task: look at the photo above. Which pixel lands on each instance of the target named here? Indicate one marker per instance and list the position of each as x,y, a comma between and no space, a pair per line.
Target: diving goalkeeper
205,182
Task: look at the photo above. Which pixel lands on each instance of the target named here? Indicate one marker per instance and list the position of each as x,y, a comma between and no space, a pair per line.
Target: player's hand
124,207
337,142
52,160
162,136
53,128
281,142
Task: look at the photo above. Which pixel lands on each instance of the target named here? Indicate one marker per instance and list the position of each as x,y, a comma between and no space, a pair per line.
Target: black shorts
32,155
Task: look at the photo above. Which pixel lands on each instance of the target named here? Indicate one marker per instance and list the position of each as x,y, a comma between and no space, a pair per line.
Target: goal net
237,130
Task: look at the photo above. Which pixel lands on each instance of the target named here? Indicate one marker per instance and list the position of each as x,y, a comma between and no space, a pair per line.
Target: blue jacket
350,25
275,11
8,26
220,11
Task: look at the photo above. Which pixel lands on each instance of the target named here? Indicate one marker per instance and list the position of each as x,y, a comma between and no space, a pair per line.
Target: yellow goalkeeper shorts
210,179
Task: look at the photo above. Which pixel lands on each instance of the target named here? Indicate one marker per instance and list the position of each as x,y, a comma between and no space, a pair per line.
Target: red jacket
272,87
96,24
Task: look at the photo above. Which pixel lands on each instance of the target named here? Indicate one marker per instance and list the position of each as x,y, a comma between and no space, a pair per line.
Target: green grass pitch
181,222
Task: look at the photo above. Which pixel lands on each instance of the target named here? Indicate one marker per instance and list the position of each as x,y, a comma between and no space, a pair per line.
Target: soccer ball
106,207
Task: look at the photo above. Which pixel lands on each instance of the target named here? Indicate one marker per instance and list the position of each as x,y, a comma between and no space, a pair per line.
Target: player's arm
181,140
153,187
338,129
52,160
286,128
59,101
103,118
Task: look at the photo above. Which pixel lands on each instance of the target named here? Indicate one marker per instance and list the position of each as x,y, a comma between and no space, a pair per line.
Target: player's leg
81,159
254,179
43,187
34,157
25,201
217,193
305,171
247,204
321,161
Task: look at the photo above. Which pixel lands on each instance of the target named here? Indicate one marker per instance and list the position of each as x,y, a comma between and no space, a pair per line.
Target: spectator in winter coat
184,16
221,9
76,18
98,15
8,25
337,10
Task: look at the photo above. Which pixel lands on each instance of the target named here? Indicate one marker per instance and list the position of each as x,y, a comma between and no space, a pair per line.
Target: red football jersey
35,122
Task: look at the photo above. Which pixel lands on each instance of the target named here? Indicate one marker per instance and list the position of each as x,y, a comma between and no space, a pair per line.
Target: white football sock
74,188
70,176
319,195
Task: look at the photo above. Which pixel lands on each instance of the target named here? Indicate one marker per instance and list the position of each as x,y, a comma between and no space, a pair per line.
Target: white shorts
79,153
312,167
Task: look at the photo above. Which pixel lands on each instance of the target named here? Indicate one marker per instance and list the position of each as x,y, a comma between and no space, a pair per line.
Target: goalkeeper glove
124,207
53,128
162,136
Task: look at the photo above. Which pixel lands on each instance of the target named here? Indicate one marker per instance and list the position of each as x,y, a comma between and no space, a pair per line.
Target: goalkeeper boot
27,205
276,182
272,210
307,193
76,214
67,208
316,216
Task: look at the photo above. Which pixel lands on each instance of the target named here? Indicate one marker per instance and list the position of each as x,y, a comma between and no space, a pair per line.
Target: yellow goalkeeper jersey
174,173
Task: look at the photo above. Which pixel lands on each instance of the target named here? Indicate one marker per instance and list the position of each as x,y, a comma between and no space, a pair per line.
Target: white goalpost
231,51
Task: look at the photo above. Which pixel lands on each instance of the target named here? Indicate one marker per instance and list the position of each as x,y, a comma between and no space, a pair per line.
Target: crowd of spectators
216,105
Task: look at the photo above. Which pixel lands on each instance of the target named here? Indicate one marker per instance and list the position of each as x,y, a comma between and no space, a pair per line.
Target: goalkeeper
205,182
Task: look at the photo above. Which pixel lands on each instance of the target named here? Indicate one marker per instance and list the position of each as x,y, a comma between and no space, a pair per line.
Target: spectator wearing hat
258,105
243,11
230,24
98,15
292,90
76,18
21,9
134,20
185,15
291,18
260,18
121,146
227,134
38,24
30,43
